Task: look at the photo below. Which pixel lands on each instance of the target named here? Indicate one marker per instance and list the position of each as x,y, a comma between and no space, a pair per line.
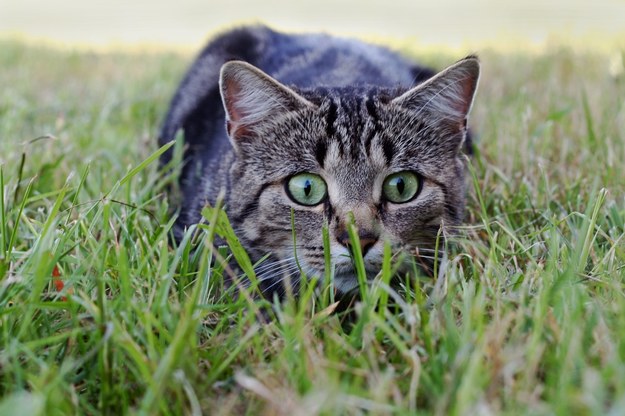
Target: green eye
401,187
306,189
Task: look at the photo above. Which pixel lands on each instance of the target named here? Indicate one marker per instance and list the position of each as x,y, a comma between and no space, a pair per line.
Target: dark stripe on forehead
331,119
368,139
331,124
358,127
389,150
373,118
320,151
373,112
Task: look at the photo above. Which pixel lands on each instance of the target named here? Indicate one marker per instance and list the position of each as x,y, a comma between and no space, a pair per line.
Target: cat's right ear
251,98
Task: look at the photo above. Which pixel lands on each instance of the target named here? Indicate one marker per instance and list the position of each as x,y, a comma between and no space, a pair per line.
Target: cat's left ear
448,95
252,98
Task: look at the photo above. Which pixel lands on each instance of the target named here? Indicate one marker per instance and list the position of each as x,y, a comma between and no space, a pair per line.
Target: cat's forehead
353,131
354,135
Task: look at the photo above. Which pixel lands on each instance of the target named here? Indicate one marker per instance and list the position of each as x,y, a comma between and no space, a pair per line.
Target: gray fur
353,121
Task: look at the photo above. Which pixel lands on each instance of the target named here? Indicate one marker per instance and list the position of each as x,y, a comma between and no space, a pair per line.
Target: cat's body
329,128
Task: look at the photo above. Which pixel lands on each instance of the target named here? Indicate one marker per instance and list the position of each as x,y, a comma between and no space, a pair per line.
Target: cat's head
390,161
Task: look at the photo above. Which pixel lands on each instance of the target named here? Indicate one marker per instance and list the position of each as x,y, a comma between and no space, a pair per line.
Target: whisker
265,266
268,274
272,271
282,279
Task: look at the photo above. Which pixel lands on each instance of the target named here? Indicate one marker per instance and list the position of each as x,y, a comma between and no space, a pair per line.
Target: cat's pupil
400,185
307,187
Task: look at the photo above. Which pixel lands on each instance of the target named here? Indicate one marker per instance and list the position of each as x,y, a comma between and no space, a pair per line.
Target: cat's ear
251,97
448,94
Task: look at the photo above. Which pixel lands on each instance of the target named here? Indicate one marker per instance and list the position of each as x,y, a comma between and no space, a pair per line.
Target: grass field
530,317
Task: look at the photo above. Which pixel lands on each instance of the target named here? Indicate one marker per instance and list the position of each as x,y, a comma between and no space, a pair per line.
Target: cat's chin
345,283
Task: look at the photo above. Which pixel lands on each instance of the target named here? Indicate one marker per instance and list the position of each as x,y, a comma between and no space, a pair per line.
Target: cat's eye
306,189
401,187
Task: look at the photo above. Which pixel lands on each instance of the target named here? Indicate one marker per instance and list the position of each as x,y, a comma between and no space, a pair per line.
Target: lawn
99,314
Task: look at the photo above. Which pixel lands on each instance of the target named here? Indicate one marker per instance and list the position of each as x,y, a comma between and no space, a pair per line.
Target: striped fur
349,112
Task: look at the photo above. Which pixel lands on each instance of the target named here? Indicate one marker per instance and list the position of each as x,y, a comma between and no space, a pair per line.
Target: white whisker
265,266
268,274
283,278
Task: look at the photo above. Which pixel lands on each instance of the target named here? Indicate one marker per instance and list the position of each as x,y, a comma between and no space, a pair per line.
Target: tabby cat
329,129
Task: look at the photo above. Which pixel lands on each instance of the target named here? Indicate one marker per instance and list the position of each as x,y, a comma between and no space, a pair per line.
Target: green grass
529,317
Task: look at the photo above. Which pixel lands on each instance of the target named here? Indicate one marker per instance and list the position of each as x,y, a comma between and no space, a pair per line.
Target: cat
329,129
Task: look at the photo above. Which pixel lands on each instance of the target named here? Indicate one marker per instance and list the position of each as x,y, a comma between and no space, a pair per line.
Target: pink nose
367,240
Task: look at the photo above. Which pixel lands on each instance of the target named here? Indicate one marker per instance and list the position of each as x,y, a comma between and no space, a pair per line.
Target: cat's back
320,60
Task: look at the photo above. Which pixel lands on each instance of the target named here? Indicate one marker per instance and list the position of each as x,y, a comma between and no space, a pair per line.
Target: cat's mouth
346,280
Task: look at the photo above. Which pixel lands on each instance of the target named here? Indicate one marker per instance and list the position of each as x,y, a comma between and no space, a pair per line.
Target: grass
529,317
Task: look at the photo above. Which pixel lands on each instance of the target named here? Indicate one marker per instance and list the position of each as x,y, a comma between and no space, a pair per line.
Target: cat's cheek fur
427,210
275,207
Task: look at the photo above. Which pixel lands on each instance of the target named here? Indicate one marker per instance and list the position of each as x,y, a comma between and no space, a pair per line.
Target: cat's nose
367,240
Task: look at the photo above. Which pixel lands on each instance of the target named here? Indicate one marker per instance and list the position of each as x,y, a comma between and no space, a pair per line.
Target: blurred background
187,23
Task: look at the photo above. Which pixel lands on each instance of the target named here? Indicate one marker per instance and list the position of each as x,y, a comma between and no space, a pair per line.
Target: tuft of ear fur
251,97
447,95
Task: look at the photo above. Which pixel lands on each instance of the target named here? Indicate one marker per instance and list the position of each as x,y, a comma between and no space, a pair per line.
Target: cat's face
389,163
